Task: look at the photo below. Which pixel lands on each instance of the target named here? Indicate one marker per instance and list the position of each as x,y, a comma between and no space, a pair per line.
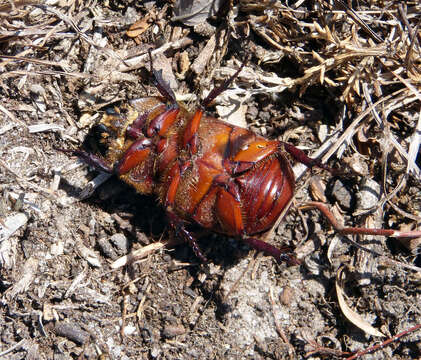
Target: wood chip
202,60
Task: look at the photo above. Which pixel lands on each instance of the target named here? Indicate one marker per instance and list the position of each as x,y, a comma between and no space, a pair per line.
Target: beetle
203,170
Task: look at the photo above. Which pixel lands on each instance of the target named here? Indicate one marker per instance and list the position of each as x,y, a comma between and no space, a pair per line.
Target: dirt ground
313,73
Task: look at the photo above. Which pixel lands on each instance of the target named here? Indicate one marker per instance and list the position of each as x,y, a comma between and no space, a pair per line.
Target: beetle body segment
222,177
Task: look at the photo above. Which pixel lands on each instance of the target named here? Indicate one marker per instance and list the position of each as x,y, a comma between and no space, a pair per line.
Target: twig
349,132
384,343
237,282
13,117
13,347
278,325
359,21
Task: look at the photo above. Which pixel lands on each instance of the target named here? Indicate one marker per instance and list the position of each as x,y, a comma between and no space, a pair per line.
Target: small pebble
342,195
107,249
121,243
369,194
71,332
286,296
188,291
173,330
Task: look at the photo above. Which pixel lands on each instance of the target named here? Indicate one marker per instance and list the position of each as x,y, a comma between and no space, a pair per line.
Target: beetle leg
161,123
245,150
135,130
190,133
228,210
220,89
174,176
180,230
133,156
301,157
91,159
163,87
357,230
280,254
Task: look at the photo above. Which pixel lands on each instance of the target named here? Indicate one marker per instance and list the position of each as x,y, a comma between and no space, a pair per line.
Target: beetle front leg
133,156
163,87
91,159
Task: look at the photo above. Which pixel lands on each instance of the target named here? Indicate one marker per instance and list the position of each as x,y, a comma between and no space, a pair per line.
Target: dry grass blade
358,20
350,314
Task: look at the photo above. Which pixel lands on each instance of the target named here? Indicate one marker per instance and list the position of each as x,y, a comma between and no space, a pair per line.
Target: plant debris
341,80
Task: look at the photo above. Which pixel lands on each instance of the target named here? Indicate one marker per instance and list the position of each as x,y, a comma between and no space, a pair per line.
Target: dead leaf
194,12
202,60
183,64
139,27
350,314
88,254
317,189
234,114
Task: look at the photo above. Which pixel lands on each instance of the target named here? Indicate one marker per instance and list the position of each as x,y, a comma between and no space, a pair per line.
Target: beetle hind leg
180,230
280,254
301,157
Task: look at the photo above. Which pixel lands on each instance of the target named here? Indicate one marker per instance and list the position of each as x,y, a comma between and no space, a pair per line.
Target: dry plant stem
137,62
357,230
11,116
46,73
126,299
13,347
388,262
384,343
350,12
349,132
33,61
396,208
415,143
138,254
414,146
69,21
237,282
322,350
281,332
364,231
401,184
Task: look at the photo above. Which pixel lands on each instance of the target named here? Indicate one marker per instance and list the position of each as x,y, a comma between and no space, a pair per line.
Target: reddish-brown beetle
204,170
